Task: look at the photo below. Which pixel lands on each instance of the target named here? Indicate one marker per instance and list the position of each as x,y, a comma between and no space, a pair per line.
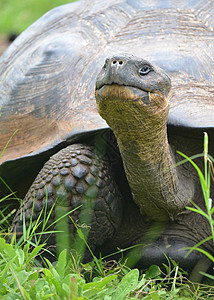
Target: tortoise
118,178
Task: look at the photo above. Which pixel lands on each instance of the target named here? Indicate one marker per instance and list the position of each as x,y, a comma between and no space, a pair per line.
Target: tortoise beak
122,93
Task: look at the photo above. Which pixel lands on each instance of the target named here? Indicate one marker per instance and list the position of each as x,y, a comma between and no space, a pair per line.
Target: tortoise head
129,91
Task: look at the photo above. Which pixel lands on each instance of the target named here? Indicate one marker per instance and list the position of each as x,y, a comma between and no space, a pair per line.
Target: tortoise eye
144,70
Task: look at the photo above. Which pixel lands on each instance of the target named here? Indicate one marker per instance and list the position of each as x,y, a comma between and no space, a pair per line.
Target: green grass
23,277
16,16
205,181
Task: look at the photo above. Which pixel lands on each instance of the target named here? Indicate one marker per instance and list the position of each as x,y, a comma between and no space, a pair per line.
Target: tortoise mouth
123,93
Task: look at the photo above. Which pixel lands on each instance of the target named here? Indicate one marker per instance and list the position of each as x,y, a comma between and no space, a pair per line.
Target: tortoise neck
149,166
141,133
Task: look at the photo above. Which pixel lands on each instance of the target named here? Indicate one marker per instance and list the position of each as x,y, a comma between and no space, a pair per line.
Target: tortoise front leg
76,176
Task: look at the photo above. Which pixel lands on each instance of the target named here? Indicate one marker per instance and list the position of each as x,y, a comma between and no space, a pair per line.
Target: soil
4,43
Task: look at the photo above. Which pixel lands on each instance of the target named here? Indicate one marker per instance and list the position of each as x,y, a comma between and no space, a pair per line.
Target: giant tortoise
121,181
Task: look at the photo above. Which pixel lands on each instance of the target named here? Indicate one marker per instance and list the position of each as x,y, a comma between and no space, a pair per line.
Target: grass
22,277
205,180
16,16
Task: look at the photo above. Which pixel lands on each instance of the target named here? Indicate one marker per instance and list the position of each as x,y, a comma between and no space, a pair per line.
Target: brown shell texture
48,74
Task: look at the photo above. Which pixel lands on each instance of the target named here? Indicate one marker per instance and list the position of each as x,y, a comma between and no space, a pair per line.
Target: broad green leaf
57,285
141,282
61,264
127,284
90,293
21,256
34,276
66,290
73,287
22,276
153,271
99,284
5,270
155,296
34,252
48,273
9,251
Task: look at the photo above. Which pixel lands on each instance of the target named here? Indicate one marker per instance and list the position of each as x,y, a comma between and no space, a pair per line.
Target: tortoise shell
48,74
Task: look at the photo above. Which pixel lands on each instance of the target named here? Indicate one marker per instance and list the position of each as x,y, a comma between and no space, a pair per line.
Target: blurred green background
17,15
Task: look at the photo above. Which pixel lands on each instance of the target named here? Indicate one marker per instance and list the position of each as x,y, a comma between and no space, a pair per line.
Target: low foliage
21,277
205,180
16,16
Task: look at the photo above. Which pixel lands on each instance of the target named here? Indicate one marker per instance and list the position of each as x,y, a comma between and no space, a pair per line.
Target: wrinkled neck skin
142,139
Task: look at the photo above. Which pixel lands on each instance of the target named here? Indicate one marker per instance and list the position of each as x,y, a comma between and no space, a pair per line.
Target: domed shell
48,74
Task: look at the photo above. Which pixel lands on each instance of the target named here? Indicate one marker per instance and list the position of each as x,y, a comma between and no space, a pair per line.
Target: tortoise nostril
117,62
